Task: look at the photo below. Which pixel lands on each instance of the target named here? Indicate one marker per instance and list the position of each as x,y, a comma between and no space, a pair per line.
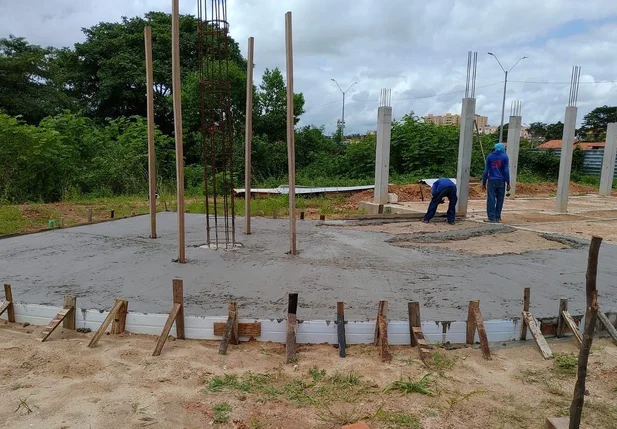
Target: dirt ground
63,384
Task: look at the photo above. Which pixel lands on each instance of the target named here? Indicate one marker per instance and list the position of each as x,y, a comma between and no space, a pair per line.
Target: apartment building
454,119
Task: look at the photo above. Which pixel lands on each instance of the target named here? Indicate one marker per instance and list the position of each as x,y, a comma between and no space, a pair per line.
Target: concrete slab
98,263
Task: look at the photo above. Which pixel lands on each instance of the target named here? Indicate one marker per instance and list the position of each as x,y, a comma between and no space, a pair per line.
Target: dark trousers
450,194
494,199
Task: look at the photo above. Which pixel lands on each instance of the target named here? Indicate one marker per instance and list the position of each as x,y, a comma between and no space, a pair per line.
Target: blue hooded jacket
440,185
497,165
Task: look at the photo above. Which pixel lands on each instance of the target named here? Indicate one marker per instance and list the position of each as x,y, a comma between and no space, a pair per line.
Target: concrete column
565,163
465,144
382,158
608,161
514,144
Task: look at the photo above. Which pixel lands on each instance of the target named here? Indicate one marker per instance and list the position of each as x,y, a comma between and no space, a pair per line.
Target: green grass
565,363
411,386
439,361
222,412
397,420
11,220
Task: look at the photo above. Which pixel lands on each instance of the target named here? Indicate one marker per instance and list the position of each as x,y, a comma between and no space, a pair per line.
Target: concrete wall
465,144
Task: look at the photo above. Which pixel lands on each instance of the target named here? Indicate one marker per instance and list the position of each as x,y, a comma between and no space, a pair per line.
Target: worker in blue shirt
442,188
497,174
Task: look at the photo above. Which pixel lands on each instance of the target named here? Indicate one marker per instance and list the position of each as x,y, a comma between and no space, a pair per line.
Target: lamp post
343,113
505,84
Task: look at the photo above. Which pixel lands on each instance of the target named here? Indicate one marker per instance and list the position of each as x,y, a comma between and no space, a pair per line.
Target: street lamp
505,84
343,113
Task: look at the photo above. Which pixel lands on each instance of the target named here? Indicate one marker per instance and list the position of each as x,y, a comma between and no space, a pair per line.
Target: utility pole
343,112
505,85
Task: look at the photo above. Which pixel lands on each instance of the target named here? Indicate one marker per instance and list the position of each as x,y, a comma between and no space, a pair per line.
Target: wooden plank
382,310
231,329
479,321
561,324
383,338
557,422
54,323
101,331
291,145
423,345
290,342
173,314
150,116
340,328
177,106
471,322
5,306
244,329
69,320
413,308
179,299
8,296
537,335
526,300
248,136
118,325
607,323
572,326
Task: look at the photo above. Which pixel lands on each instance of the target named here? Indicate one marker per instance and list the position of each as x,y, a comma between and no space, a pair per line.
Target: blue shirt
497,167
440,185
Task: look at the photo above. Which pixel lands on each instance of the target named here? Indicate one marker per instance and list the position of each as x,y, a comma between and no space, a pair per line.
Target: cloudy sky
416,48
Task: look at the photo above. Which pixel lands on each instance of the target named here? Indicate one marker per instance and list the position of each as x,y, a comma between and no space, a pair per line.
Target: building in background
454,119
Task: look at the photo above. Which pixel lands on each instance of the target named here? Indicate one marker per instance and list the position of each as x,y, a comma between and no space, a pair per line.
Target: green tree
595,123
554,131
270,107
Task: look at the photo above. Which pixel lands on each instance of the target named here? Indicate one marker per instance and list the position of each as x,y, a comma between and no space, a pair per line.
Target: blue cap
500,147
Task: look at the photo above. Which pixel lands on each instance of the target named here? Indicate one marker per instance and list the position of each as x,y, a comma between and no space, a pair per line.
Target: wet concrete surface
98,263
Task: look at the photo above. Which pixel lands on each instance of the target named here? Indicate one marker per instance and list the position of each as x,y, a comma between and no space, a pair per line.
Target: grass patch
565,363
411,386
396,420
11,220
222,412
439,361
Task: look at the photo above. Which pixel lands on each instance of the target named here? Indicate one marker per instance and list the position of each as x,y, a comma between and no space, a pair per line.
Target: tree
537,130
554,131
28,81
595,123
270,107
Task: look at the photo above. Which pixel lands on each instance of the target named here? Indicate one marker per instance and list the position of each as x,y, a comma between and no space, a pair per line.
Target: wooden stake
101,331
244,329
591,317
178,288
424,346
569,321
382,310
55,322
89,215
537,335
291,146
322,218
383,338
173,314
561,324
8,306
112,214
248,136
471,322
609,326
301,215
177,102
526,299
231,329
151,150
69,320
61,222
290,344
413,309
118,325
340,327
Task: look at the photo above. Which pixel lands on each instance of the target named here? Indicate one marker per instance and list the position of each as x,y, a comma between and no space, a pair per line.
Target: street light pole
505,85
343,112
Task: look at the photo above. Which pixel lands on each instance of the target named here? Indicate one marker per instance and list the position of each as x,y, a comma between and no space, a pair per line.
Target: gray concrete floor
98,263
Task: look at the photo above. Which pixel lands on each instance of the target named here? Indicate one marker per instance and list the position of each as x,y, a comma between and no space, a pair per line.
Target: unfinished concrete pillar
608,161
514,143
382,158
565,163
465,145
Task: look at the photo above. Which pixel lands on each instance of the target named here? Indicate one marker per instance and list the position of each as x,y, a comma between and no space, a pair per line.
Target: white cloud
417,48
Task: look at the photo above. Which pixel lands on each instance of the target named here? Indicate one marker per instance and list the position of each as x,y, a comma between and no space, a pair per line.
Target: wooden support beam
244,329
322,218
537,335
89,215
5,306
55,322
291,144
471,322
151,149
557,422
10,308
340,327
569,321
179,299
609,326
290,343
118,325
382,310
248,136
413,308
561,324
383,338
231,329
526,299
301,215
476,322
69,320
173,314
424,346
101,331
